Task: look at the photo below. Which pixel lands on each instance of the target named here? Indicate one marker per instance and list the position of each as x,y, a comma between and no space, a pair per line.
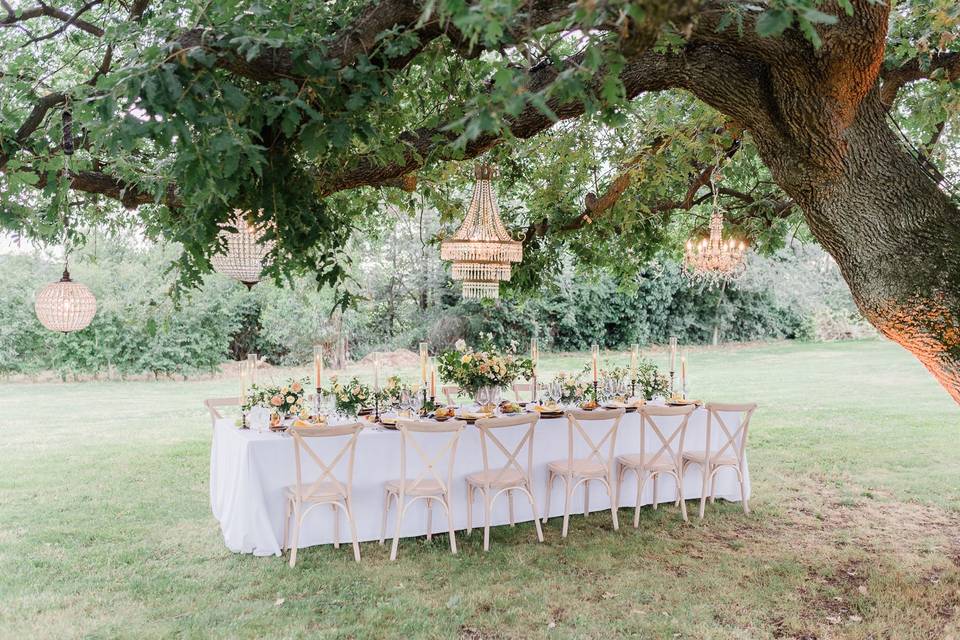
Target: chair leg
510,504
296,534
486,519
743,492
469,508
286,525
641,483
567,482
683,497
613,505
620,473
656,477
396,532
386,510
703,489
546,513
453,537
536,518
353,534
586,498
336,526
713,488
429,519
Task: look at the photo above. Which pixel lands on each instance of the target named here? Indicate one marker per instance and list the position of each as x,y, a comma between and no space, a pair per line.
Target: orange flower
276,401
296,387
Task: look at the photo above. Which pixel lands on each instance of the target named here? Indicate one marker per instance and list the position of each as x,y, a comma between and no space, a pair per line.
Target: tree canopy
316,115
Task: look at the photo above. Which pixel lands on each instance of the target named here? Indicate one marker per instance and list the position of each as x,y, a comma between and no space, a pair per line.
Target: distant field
105,528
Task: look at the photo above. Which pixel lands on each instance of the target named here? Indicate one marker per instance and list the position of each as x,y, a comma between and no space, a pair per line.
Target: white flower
460,345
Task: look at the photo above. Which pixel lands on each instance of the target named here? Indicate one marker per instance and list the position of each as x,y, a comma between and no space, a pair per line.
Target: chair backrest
581,423
523,388
429,464
450,392
732,439
507,454
661,435
213,405
327,463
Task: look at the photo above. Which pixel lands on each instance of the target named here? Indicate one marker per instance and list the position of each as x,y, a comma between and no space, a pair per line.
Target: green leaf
774,22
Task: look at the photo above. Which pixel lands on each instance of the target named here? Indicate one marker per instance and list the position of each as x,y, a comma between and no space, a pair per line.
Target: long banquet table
249,471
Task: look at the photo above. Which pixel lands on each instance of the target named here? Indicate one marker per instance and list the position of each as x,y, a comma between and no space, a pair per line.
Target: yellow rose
465,359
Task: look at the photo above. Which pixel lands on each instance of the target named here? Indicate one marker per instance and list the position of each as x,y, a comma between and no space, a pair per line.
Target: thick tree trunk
893,232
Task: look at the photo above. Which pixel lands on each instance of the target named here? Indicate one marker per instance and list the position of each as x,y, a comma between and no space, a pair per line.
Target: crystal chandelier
481,249
246,252
65,305
714,260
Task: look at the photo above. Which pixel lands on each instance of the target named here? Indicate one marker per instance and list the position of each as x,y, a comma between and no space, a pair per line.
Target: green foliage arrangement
352,396
472,370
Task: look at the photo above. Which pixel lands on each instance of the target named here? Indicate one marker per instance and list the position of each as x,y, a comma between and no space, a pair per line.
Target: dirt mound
399,358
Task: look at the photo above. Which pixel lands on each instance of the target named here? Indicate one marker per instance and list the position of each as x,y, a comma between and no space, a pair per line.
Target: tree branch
52,12
912,70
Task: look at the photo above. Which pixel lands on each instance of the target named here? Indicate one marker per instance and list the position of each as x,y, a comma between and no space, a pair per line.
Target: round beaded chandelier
246,252
65,305
482,249
714,260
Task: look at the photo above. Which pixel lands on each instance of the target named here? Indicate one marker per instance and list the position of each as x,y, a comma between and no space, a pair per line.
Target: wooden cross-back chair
507,474
450,393
729,454
596,466
303,496
214,405
662,457
430,484
523,389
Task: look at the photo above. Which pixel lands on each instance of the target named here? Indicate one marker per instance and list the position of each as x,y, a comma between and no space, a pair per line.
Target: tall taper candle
423,364
673,353
683,371
634,357
242,369
595,350
252,363
376,372
534,354
433,379
318,366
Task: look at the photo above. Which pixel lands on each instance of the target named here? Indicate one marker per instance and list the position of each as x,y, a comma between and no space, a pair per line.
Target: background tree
299,108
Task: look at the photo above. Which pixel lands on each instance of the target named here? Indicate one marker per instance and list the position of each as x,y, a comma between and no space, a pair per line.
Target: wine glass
405,400
415,402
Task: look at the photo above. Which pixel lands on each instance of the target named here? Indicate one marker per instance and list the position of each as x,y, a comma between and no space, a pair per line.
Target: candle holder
533,397
316,403
376,408
633,388
672,384
425,394
595,397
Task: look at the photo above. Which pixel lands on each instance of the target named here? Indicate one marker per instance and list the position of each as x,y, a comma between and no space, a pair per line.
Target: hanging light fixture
246,252
482,249
713,260
65,305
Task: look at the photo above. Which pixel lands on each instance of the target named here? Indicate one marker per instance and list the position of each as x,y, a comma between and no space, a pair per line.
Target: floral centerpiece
572,387
474,370
650,381
285,400
352,396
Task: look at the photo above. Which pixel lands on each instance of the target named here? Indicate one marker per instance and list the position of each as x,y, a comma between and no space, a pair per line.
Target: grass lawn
105,527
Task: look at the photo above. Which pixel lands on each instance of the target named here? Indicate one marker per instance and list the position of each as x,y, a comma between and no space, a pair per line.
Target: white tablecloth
249,471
